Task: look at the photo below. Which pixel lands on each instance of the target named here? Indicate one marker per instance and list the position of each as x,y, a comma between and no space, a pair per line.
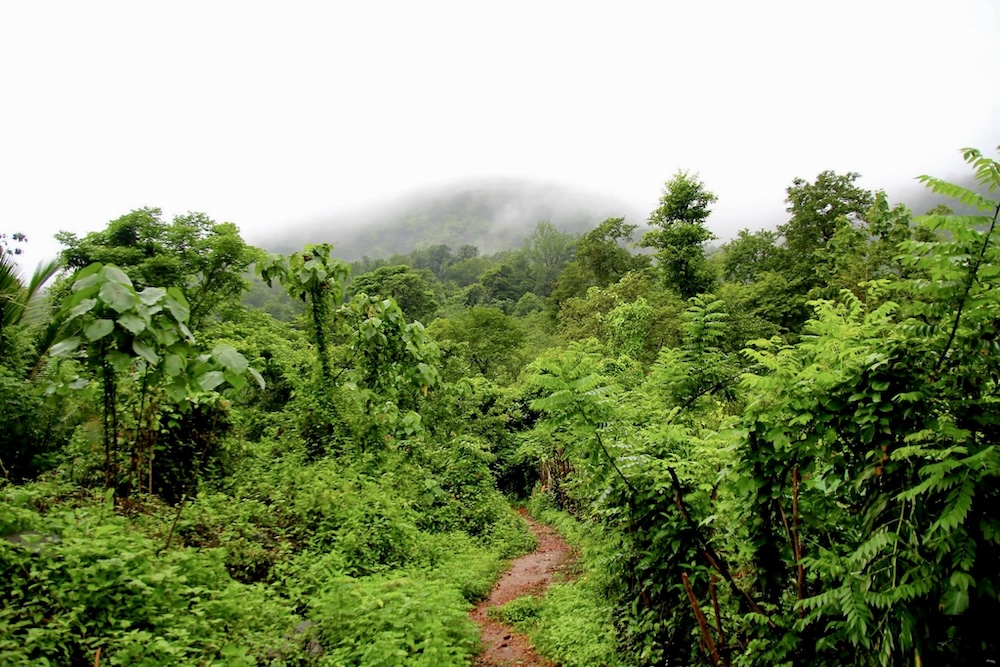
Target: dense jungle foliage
782,450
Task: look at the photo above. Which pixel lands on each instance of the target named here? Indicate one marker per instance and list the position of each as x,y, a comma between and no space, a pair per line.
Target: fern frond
957,508
986,169
964,195
871,547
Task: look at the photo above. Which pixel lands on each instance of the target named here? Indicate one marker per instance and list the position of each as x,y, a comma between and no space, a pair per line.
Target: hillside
493,215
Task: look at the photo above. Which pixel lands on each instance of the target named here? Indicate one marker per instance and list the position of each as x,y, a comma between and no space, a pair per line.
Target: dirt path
532,573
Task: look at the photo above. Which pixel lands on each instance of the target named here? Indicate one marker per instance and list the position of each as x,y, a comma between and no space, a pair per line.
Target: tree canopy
679,233
205,259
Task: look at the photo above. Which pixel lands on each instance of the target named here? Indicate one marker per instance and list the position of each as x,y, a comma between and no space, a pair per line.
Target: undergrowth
328,563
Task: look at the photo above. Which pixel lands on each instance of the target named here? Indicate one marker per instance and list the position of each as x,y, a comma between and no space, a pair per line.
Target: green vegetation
782,452
573,623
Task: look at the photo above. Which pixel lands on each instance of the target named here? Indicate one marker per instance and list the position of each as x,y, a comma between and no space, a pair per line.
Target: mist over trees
490,215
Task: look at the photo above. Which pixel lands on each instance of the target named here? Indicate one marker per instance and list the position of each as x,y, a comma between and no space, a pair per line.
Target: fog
491,214
304,116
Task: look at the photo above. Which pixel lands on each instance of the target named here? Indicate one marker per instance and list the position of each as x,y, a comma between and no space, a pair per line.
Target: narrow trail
529,574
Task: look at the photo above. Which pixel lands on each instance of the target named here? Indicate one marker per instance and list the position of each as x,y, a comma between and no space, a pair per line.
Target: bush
27,441
522,612
385,623
76,582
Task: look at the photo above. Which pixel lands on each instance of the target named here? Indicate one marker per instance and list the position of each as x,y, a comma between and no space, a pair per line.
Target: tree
466,271
749,254
410,289
679,234
497,284
864,251
486,338
547,250
816,210
600,250
317,278
17,295
436,258
206,260
590,316
28,436
142,336
573,282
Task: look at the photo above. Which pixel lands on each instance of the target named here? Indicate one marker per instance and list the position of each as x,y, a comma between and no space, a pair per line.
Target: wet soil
529,574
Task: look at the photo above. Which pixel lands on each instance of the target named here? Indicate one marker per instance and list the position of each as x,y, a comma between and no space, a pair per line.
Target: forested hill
493,216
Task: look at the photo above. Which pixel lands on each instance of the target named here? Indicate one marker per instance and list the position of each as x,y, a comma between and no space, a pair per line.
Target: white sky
271,114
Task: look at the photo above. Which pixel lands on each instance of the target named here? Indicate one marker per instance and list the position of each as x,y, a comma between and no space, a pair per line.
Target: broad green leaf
200,365
173,365
177,305
180,312
84,306
119,361
147,312
132,322
76,298
187,332
954,601
152,295
98,329
256,376
210,380
65,346
116,275
235,381
118,296
145,351
166,336
79,383
89,270
229,358
177,391
87,276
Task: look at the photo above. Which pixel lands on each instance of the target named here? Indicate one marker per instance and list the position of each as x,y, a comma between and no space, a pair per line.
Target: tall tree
816,210
601,251
484,338
678,234
600,260
436,258
548,250
748,255
17,295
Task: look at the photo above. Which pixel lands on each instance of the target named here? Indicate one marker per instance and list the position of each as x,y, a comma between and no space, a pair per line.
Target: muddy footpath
530,574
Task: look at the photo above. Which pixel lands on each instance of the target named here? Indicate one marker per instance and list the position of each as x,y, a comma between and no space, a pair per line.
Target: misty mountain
496,215
492,215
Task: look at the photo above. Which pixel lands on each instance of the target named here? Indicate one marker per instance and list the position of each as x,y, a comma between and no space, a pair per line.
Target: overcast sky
272,114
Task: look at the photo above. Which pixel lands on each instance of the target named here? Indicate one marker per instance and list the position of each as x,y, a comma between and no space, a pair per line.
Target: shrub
76,582
390,622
